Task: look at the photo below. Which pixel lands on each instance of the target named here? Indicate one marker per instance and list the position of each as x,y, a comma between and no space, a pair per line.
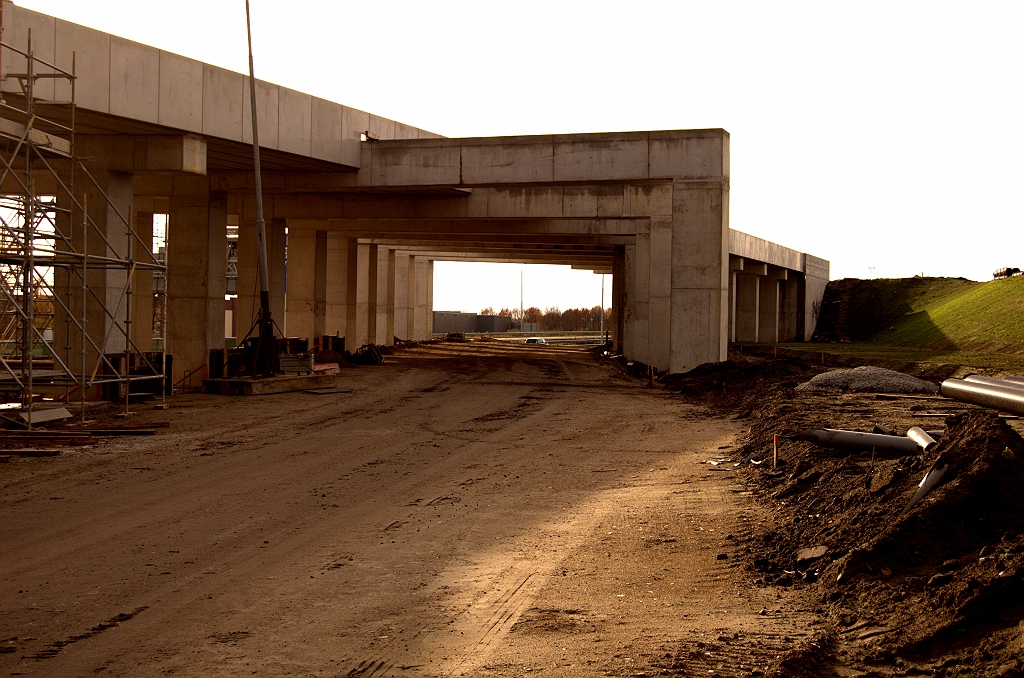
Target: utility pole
602,305
266,351
522,320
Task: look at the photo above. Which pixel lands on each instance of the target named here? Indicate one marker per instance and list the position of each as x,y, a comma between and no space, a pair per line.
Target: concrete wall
141,83
455,321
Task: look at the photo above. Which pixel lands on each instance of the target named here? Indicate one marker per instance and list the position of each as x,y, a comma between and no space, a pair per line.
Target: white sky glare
873,134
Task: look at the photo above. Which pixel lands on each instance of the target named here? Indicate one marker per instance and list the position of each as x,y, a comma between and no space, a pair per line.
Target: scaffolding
65,305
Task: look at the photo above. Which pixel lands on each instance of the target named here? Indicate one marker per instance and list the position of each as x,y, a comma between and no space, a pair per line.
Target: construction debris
902,532
1007,396
921,437
931,478
867,379
839,438
41,416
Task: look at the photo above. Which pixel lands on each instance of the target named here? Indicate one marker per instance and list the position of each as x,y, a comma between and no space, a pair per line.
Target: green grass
937,320
985,316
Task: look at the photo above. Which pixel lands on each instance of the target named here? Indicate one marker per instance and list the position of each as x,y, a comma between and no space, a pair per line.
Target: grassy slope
982,316
946,320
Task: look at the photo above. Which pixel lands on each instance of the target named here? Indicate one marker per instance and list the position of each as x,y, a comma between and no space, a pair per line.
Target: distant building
456,321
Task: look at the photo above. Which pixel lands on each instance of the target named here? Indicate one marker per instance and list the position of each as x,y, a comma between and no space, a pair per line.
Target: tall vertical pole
266,358
28,296
85,290
602,305
522,320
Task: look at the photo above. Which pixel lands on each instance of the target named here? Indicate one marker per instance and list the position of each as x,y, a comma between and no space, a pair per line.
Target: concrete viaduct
369,204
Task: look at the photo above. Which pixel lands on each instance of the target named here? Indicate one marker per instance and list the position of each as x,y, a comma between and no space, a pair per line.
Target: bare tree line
554,320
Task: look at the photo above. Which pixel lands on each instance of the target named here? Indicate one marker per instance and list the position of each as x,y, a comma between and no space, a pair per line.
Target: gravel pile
869,379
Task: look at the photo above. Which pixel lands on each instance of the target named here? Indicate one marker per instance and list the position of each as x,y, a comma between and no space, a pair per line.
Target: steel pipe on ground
1014,378
1005,383
921,437
838,438
1002,398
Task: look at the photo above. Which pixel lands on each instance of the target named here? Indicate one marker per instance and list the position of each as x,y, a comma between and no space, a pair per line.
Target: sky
884,136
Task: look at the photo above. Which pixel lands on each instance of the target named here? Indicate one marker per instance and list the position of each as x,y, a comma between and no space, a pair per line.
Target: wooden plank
42,416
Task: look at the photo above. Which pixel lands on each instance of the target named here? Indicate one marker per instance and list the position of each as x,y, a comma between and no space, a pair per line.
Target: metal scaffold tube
266,354
45,257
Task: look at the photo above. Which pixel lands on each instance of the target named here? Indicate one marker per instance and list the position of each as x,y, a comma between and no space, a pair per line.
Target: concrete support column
384,308
248,303
700,275
336,285
105,306
747,307
320,286
647,295
197,257
419,291
660,290
351,254
299,301
366,296
816,275
634,336
430,298
768,311
142,299
618,301
735,266
401,297
788,310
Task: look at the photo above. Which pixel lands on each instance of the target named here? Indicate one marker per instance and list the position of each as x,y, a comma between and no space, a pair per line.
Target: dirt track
465,510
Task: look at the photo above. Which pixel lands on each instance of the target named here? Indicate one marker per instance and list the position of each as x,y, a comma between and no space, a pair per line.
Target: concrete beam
158,154
151,88
619,156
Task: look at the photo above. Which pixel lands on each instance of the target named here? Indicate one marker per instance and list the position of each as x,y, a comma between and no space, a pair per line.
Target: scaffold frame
45,260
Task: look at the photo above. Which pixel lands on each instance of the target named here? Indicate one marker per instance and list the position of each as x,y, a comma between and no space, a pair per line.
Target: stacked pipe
999,394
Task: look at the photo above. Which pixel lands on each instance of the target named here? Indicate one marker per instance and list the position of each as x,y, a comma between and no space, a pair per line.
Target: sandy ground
465,509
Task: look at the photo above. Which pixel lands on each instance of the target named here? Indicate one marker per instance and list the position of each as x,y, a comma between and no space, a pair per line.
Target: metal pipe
921,437
267,348
989,381
1014,378
837,438
997,397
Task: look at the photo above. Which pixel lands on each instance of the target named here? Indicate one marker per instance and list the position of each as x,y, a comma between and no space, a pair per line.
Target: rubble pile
870,379
938,588
741,382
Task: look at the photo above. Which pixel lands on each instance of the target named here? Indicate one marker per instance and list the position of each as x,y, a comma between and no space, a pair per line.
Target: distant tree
551,321
488,311
532,315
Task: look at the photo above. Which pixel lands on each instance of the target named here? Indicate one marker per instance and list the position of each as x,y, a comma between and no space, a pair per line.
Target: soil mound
938,588
868,379
740,382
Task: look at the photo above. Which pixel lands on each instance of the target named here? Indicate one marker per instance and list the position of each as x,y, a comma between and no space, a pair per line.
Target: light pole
522,326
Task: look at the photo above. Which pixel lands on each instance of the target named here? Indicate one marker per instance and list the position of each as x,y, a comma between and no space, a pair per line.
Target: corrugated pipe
1005,383
1014,378
1002,398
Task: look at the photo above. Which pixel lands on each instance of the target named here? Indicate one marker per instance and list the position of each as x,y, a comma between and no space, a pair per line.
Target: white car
536,340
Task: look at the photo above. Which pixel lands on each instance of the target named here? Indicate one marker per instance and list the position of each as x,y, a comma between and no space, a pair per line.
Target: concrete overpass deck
370,203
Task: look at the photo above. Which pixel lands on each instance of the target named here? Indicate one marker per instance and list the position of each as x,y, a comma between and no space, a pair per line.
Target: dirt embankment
934,590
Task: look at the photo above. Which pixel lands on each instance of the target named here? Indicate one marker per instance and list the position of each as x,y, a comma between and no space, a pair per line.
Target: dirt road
465,509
